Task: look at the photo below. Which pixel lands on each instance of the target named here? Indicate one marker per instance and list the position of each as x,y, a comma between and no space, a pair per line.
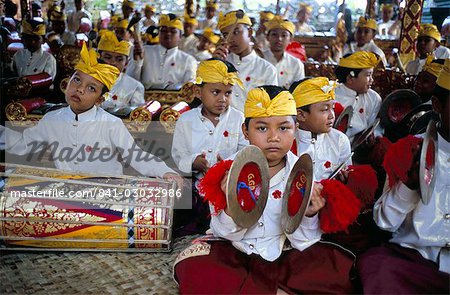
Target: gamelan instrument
361,137
342,123
170,115
48,209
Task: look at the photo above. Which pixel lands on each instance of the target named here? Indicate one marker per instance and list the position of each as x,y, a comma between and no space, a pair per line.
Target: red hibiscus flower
225,133
327,164
361,110
281,73
247,79
276,194
114,97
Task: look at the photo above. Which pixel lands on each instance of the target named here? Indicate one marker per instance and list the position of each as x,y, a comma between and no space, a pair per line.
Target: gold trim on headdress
190,20
360,60
109,42
444,77
123,23
104,73
279,23
231,18
429,30
165,21
216,71
314,90
259,104
364,22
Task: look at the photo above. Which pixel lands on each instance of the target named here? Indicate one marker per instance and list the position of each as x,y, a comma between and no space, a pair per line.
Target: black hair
442,95
230,67
172,16
153,31
440,61
343,72
273,91
10,8
294,85
35,6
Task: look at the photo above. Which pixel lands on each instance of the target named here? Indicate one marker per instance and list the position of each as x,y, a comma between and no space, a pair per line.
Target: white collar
221,116
245,59
86,116
307,136
348,91
163,50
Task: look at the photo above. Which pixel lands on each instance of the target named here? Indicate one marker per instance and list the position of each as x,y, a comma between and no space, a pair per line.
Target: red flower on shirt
247,79
276,194
225,133
327,164
114,97
361,110
281,73
88,148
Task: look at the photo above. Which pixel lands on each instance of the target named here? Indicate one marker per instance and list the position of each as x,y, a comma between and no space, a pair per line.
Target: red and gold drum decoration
46,209
297,194
24,85
147,112
170,115
428,157
17,111
248,186
187,92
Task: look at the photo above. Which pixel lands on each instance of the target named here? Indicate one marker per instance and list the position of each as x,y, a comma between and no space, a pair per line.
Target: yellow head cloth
104,73
123,23
266,15
57,14
148,7
279,23
259,104
216,71
165,21
103,32
212,4
366,23
151,35
209,34
231,18
306,6
360,60
386,7
128,3
429,30
109,42
38,28
431,67
444,77
314,90
190,20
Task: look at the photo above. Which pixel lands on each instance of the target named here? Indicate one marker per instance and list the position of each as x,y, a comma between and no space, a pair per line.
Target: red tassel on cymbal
381,146
399,158
209,186
341,209
338,109
363,182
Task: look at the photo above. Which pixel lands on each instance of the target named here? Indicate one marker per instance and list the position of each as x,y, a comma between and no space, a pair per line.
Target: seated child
33,59
189,41
83,137
417,259
212,131
208,41
425,82
252,260
126,90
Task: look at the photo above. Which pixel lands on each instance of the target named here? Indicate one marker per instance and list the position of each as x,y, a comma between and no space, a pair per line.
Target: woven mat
89,273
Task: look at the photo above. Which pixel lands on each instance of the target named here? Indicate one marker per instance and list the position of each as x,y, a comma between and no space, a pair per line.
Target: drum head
297,194
364,135
428,157
248,186
343,121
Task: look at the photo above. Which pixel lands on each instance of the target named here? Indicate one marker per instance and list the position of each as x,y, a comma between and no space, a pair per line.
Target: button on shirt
194,134
289,68
126,91
94,142
365,108
328,150
416,225
27,63
253,71
266,238
162,66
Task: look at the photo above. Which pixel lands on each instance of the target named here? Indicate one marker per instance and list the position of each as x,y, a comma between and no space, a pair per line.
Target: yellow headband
266,15
149,7
306,6
38,30
190,20
216,71
209,34
109,42
429,30
128,3
211,4
56,14
259,104
104,73
431,67
314,90
387,7
360,60
279,23
165,21
366,23
230,18
444,77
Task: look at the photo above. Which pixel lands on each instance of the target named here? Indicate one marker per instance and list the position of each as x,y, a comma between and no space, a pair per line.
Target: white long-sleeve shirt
254,71
90,144
425,228
162,66
188,43
27,63
327,150
195,134
125,92
365,108
289,68
266,238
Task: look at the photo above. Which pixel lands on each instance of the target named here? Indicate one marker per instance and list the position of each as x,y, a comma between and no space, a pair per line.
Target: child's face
319,119
361,83
32,42
83,91
169,37
240,38
204,43
363,36
210,12
425,45
118,60
216,98
278,39
273,135
424,84
188,29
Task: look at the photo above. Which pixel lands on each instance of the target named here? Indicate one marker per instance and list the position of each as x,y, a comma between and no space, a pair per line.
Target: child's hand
317,202
174,177
221,51
200,163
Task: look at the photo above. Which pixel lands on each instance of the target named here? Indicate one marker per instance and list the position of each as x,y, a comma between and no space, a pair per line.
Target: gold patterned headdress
266,15
231,18
360,60
33,28
364,22
165,21
444,77
429,30
216,71
109,42
104,73
314,90
209,34
190,20
279,23
259,104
